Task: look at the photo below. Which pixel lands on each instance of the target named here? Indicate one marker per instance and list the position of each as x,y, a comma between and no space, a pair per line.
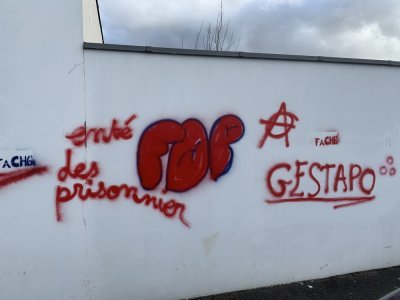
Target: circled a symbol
275,120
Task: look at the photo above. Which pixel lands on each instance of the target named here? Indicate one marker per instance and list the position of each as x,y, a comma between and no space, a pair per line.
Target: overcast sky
345,28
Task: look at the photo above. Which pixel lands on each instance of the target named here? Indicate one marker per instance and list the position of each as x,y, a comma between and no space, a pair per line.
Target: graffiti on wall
18,165
329,138
88,187
283,120
102,135
16,176
284,182
191,155
342,184
388,168
179,155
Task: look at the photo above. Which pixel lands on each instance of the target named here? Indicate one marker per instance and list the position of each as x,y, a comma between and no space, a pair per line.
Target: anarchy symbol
283,119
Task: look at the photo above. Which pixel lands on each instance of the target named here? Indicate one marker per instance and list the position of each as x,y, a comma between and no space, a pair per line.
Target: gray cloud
349,28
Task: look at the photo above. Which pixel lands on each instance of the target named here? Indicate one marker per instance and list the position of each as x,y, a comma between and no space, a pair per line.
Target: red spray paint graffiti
86,173
225,131
388,169
282,118
88,189
18,175
335,178
191,153
188,160
81,135
190,157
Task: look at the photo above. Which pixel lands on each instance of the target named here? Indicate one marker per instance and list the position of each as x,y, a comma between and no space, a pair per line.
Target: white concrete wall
103,249
41,94
236,240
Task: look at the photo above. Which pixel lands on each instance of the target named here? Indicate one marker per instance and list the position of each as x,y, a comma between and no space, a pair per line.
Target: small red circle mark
383,170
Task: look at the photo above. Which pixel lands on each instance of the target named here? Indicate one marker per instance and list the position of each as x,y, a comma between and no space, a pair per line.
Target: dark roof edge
251,55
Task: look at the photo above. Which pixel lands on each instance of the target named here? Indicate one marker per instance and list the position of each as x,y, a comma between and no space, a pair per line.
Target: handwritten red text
81,135
88,189
284,181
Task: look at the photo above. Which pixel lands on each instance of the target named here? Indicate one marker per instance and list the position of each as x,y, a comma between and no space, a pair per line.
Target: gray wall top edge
252,55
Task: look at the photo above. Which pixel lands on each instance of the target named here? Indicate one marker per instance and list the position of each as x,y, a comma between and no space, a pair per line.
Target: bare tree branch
196,44
217,37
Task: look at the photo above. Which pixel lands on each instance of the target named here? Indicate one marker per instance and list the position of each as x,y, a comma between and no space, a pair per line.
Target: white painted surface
41,91
237,241
91,22
118,249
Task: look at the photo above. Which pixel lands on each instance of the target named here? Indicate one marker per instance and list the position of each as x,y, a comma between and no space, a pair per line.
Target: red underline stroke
352,200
